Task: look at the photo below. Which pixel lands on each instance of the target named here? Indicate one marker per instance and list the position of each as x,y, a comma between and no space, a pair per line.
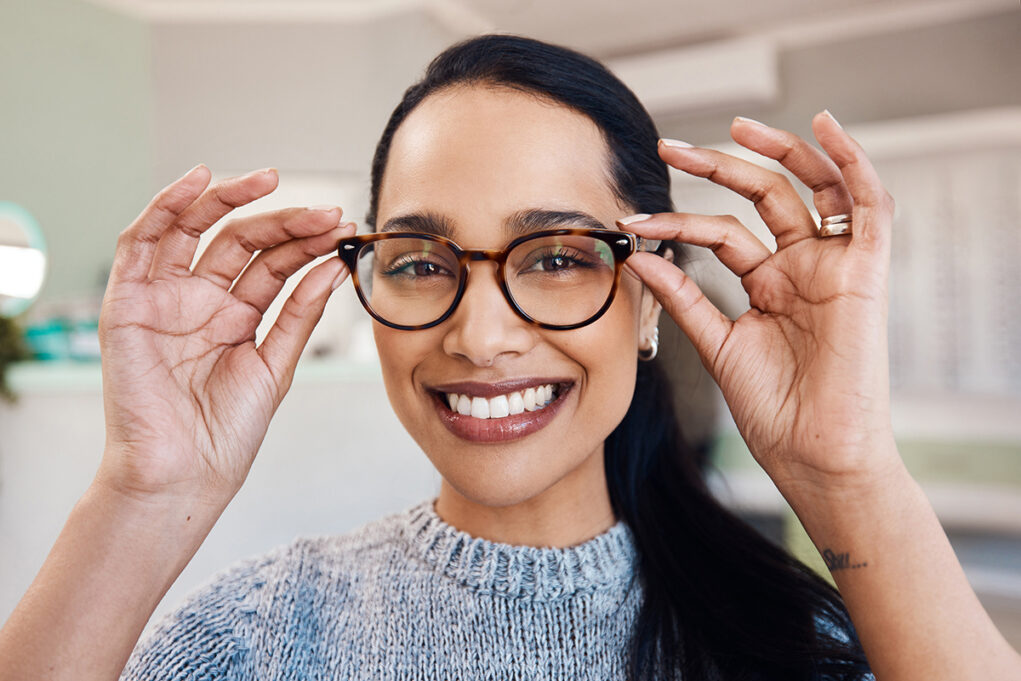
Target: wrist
150,480
174,515
876,469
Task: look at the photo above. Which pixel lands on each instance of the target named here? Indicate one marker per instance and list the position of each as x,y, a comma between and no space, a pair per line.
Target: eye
555,259
415,266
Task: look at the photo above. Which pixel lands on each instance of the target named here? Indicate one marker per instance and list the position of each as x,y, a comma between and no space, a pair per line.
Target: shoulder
262,601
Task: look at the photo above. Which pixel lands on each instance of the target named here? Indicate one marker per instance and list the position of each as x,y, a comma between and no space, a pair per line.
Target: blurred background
103,102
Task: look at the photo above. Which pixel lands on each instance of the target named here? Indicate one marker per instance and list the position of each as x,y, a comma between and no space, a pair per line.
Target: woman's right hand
188,395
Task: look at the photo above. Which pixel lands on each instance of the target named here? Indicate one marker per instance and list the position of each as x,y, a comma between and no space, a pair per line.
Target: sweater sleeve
209,636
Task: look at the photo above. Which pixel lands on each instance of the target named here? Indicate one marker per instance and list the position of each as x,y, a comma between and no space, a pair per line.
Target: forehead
476,155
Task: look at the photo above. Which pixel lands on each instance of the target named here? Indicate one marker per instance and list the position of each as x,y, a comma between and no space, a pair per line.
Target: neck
573,510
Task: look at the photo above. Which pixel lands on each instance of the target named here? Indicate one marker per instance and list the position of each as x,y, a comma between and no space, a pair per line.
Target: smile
497,412
502,406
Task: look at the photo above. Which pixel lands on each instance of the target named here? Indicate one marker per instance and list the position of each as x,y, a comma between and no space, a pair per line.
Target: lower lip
497,430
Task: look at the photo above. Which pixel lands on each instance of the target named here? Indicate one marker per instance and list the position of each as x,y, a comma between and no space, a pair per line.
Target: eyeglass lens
557,280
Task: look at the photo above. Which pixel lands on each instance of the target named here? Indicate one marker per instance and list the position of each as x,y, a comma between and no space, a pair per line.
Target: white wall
335,457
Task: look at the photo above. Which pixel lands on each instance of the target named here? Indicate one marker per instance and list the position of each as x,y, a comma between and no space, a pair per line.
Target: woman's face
475,159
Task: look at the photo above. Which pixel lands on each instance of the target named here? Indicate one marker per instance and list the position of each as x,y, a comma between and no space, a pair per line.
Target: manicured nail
256,173
826,112
750,120
194,172
630,219
674,144
326,208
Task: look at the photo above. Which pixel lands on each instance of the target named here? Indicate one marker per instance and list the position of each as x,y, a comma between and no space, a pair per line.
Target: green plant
12,349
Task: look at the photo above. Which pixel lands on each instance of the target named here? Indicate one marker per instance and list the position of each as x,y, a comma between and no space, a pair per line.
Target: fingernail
630,219
750,120
256,173
194,172
326,208
349,226
674,144
826,112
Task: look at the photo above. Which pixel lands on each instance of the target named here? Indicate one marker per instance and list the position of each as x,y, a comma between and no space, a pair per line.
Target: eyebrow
534,219
519,224
429,223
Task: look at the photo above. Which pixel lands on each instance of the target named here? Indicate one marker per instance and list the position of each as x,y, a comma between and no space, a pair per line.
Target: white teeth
480,407
516,403
530,399
499,407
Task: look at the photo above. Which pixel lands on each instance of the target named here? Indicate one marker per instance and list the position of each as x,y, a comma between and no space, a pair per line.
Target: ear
650,309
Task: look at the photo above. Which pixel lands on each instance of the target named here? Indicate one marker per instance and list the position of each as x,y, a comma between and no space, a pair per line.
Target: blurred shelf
961,506
34,378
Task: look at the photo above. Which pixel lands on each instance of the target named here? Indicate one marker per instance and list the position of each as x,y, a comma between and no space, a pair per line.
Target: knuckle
685,295
275,271
789,145
730,221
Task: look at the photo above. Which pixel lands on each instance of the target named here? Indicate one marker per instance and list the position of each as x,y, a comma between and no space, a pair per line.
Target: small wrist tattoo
840,561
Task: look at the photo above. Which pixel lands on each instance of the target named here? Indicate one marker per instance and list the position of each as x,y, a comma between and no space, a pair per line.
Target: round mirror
22,259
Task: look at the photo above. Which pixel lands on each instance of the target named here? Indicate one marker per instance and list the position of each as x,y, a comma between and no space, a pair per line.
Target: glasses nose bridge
482,255
496,257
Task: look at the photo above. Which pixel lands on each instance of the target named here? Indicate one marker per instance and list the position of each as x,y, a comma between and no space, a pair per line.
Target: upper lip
487,390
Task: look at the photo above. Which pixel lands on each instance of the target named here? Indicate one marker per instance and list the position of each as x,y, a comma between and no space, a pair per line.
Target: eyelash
396,267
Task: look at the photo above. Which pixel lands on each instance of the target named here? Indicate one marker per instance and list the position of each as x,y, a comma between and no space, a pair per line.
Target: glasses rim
622,244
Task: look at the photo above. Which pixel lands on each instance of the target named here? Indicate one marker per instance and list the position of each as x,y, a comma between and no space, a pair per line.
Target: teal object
15,219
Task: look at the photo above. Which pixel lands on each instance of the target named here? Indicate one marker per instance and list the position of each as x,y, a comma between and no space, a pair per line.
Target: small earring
648,354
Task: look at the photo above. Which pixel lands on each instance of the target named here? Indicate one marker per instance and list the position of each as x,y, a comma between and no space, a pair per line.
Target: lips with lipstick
496,412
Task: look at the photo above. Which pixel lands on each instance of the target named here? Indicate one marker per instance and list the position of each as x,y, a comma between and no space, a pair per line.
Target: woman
528,396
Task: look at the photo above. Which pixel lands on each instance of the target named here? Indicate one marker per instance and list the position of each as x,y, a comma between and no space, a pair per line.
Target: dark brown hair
719,601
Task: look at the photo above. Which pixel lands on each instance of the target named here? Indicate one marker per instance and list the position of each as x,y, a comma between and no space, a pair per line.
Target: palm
806,327
804,371
188,395
200,395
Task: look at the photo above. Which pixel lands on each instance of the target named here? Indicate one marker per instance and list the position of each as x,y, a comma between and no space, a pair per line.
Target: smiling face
476,162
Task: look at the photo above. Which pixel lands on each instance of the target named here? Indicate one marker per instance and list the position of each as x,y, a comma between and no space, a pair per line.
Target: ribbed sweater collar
539,574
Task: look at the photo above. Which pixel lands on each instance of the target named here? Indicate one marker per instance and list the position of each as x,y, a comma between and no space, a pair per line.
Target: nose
484,328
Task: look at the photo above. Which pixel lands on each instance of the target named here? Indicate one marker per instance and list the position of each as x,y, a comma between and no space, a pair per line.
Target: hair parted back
719,601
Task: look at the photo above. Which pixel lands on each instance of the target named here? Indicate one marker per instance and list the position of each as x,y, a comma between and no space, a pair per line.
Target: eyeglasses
555,279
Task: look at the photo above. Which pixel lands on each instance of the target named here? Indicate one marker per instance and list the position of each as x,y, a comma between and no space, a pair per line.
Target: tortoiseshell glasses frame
621,244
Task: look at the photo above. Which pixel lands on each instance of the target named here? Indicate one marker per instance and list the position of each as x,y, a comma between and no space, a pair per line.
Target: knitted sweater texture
406,597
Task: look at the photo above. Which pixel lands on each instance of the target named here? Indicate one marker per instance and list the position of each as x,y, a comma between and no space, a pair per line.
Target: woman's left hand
805,370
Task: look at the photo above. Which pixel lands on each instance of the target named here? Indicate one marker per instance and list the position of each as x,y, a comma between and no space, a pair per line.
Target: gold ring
835,225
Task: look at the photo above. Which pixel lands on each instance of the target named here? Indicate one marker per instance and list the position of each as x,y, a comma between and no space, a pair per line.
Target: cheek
399,353
608,350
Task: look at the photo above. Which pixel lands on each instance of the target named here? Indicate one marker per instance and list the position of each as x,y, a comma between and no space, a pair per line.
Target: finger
680,296
265,276
283,344
177,246
137,244
733,243
873,205
816,170
232,249
773,194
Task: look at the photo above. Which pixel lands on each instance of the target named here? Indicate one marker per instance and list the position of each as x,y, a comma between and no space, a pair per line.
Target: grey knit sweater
406,597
